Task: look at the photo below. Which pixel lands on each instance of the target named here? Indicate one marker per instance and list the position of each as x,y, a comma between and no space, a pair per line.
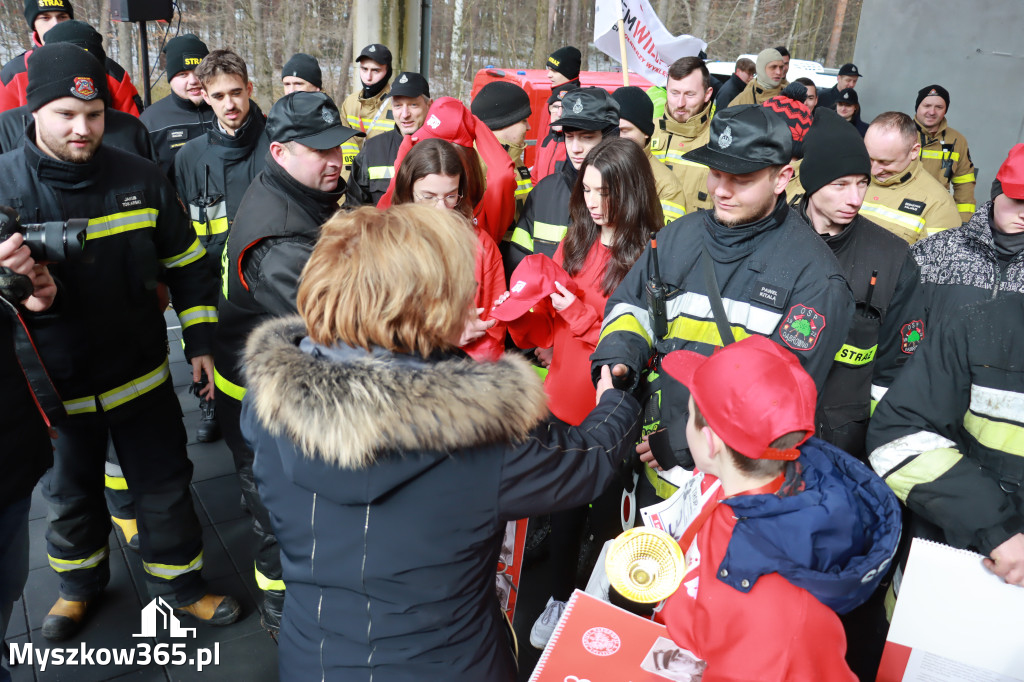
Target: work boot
213,609
65,619
130,531
209,428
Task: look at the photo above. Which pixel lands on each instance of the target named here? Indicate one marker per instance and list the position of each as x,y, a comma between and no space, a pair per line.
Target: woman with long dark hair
613,210
448,176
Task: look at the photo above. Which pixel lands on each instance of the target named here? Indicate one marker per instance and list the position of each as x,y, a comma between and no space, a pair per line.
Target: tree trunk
540,36
265,82
124,49
700,20
458,45
837,32
749,40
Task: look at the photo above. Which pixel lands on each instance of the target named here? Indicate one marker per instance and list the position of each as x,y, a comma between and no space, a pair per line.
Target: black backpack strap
717,307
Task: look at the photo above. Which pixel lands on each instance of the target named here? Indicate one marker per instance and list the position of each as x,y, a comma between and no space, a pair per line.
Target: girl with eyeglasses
448,177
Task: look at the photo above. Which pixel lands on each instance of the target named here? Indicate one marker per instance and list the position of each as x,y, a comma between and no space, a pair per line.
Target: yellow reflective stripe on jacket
265,583
549,232
349,151
939,154
522,238
659,154
856,357
64,565
227,387
887,457
749,317
701,331
113,477
216,219
995,417
119,223
925,468
80,405
197,315
877,393
523,187
172,571
216,226
907,220
671,210
966,208
367,124
381,172
190,255
966,177
625,317
136,387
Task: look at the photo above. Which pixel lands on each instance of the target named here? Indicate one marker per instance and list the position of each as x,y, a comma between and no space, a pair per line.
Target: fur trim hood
347,406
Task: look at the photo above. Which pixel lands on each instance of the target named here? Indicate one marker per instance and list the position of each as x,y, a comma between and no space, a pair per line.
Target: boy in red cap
788,530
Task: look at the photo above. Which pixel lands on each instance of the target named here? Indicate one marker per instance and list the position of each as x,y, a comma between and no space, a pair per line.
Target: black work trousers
266,552
150,447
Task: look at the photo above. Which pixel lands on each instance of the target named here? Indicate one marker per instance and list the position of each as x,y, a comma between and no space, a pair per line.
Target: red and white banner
650,48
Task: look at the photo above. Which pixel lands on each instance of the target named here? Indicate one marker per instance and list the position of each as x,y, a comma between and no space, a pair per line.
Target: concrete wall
973,48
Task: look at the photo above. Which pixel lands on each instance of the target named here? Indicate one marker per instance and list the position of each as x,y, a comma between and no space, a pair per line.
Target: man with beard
276,227
366,110
685,126
183,115
212,172
105,344
944,151
749,267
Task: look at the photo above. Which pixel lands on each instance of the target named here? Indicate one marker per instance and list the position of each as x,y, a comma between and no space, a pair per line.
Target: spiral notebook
954,621
597,641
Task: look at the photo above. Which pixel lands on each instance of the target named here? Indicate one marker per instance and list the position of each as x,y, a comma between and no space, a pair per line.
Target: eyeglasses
449,200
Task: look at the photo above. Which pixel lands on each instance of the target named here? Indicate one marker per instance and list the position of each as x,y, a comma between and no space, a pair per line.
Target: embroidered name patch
131,200
915,207
178,134
771,294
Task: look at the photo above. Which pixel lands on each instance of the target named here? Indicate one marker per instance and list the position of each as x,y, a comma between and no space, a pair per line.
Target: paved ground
245,651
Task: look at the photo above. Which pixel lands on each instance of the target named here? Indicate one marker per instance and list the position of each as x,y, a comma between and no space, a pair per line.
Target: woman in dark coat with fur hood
390,462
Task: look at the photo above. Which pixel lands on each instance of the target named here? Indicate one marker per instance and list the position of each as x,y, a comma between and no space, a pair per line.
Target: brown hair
401,279
221,63
683,67
745,65
900,122
443,158
633,208
749,465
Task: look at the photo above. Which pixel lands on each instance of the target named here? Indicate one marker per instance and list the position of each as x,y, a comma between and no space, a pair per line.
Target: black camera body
56,241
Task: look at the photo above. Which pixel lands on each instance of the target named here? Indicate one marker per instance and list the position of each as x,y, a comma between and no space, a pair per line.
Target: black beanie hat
81,34
58,70
304,66
636,107
832,149
33,10
566,61
929,90
501,104
183,53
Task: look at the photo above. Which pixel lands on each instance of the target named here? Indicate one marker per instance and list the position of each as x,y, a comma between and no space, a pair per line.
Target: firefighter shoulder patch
911,336
801,327
83,88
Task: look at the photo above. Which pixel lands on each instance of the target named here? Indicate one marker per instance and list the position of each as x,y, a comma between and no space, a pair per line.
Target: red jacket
14,81
551,151
490,284
449,119
775,633
573,334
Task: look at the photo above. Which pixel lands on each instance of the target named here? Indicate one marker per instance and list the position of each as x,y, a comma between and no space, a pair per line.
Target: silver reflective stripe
202,313
218,210
878,392
113,469
752,318
136,388
997,403
887,457
194,253
80,405
106,226
94,559
171,571
640,314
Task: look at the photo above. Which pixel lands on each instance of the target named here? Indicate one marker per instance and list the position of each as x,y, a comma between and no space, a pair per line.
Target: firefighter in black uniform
275,229
374,166
183,115
752,258
888,323
121,131
588,116
213,171
105,344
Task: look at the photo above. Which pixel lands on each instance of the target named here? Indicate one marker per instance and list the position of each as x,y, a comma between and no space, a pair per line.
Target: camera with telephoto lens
56,241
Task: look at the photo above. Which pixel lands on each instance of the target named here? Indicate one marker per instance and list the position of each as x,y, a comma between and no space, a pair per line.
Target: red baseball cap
751,392
531,282
1011,173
